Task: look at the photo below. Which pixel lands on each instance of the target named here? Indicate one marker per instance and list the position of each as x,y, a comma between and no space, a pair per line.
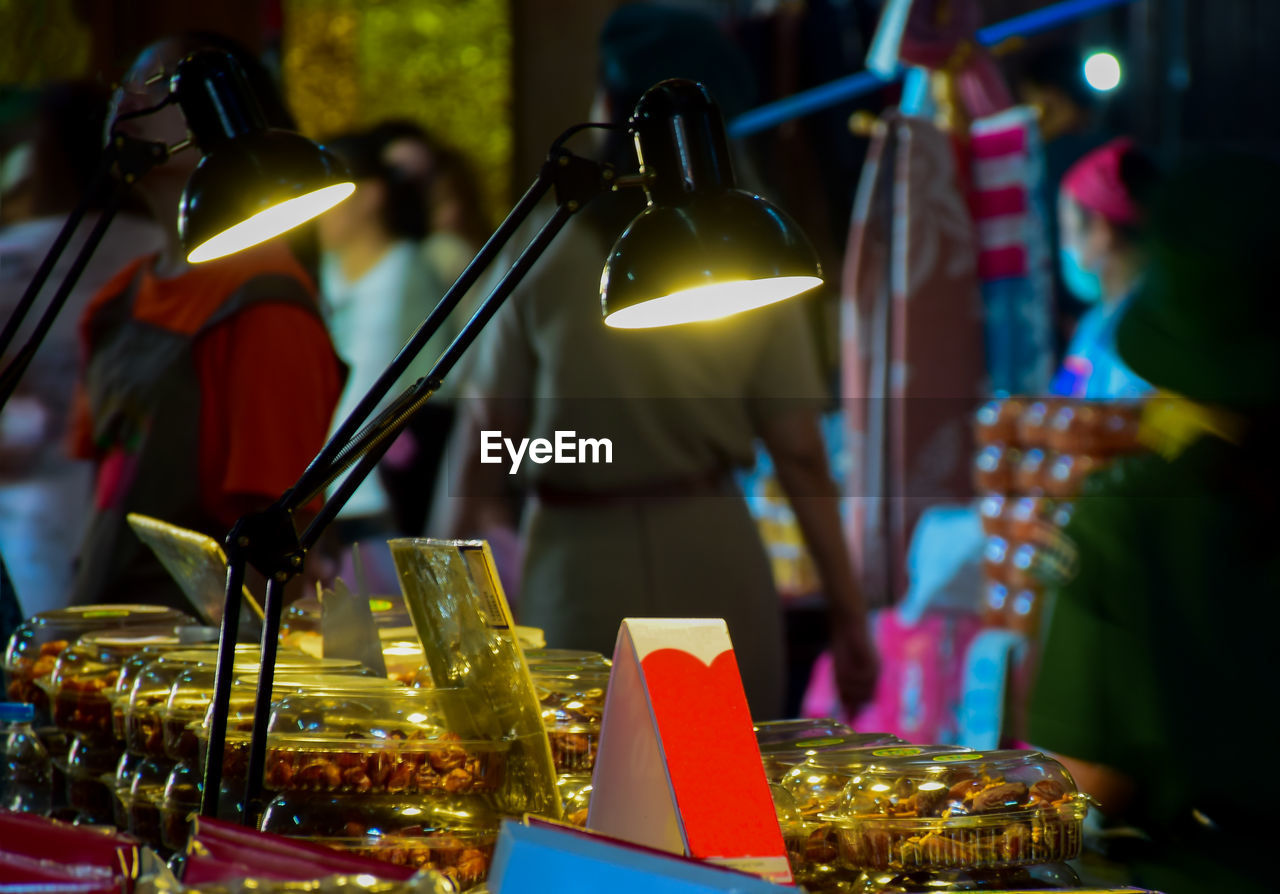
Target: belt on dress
711,484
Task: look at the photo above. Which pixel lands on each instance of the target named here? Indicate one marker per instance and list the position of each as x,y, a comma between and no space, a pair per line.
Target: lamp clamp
576,180
268,540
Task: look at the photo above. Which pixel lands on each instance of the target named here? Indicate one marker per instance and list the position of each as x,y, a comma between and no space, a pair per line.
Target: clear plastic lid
304,615
1033,424
788,732
453,836
575,794
89,775
35,645
956,811
572,696
415,741
578,657
85,675
994,468
782,756
404,659
817,783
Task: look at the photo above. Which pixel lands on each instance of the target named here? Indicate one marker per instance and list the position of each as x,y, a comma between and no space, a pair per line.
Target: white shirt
370,319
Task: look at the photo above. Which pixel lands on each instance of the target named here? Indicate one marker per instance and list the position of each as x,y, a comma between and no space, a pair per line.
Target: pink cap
1094,181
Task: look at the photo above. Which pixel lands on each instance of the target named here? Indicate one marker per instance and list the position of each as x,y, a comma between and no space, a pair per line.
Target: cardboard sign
678,768
541,856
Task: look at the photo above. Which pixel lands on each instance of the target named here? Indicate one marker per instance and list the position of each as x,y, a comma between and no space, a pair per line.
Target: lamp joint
268,541
577,180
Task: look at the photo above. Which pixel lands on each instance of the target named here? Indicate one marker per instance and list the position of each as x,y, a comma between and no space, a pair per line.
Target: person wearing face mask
1100,216
204,389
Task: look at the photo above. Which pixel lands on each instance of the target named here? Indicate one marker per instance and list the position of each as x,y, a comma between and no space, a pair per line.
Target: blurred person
206,388
1159,647
661,530
1101,215
44,491
1051,80
376,291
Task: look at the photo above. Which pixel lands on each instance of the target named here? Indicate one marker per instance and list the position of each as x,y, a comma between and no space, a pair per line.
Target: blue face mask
1081,282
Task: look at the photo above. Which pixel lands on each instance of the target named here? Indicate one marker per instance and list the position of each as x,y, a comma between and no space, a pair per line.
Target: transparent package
35,645
414,741
143,798
572,699
575,795
130,669
404,659
453,836
121,783
779,757
959,811
86,672
179,799
191,694
787,732
145,702
580,657
89,774
817,784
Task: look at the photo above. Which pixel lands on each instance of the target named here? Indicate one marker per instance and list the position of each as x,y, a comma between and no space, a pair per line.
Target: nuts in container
35,645
86,673
235,756
959,811
816,785
572,699
779,757
454,837
575,795
391,741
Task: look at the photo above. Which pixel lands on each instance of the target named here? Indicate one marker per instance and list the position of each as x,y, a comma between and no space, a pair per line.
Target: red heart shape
712,756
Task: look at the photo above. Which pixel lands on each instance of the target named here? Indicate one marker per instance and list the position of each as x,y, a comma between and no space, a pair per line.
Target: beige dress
661,531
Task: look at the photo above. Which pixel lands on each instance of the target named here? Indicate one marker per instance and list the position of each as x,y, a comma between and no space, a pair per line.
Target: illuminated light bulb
1102,72
713,302
271,223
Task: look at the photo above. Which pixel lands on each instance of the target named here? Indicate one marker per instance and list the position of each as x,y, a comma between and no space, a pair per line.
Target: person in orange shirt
205,389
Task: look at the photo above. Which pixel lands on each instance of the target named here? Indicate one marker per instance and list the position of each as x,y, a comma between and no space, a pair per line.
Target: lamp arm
124,160
269,539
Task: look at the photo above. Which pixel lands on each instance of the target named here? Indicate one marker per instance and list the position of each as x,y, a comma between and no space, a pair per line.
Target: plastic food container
1033,424
85,675
1029,476
994,512
179,799
130,669
121,782
454,837
190,694
959,811
390,741
1067,473
404,659
150,691
1095,427
579,657
995,560
779,757
235,760
994,468
34,647
788,732
575,795
90,790
143,799
996,421
572,698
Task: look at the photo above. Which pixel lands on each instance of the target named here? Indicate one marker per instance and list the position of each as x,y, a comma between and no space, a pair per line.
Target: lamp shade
253,182
702,249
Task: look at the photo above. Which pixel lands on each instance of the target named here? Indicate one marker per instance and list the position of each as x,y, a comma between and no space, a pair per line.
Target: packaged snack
996,421
35,645
579,657
994,511
392,742
575,795
178,801
90,771
959,811
1067,472
572,699
1033,424
994,468
86,673
454,837
1029,476
779,757
143,799
789,732
995,560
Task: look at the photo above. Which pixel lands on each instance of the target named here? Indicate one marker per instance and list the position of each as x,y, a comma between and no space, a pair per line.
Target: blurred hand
856,665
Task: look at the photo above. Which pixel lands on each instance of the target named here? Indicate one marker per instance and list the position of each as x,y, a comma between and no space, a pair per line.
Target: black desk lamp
701,250
253,183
